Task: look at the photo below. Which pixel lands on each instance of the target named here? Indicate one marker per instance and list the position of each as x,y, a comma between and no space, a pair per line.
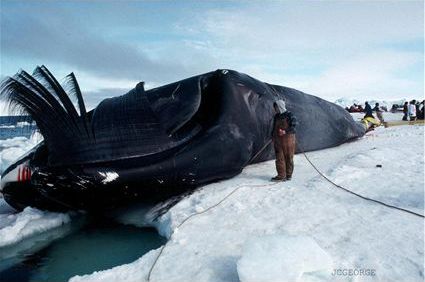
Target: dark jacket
285,121
405,108
368,111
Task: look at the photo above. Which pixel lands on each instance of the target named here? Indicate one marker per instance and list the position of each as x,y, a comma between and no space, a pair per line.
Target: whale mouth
139,123
147,123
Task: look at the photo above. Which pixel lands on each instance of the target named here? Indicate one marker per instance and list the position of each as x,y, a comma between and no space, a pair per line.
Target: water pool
86,245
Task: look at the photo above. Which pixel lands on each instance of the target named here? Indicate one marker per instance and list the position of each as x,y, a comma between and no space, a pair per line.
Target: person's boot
278,179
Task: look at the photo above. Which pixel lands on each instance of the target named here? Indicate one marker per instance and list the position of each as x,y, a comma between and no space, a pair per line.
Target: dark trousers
284,147
404,116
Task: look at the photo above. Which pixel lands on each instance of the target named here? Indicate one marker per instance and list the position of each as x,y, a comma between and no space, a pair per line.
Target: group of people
413,110
369,111
369,122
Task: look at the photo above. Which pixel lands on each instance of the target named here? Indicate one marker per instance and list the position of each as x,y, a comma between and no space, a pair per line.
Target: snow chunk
22,124
281,258
13,148
7,126
18,226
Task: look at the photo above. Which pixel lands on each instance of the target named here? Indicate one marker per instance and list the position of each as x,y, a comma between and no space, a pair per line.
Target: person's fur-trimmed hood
281,105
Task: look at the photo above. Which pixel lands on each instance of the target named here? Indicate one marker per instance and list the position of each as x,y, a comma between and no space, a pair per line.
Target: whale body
152,144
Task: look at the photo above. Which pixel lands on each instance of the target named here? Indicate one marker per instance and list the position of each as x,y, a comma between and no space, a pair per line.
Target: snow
13,148
347,102
281,258
306,228
22,124
7,126
18,124
15,227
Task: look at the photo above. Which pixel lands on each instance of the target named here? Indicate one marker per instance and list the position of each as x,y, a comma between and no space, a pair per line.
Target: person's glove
281,132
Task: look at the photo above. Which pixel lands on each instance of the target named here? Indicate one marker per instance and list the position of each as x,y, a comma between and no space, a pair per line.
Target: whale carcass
151,144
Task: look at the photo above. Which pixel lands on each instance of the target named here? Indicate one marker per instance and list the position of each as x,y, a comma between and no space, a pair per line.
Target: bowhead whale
151,144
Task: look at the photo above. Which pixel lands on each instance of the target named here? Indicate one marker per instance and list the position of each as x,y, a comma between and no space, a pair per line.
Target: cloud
286,26
93,98
330,49
372,75
61,38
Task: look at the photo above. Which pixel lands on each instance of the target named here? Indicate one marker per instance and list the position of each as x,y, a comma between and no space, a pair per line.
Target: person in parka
368,110
283,136
378,111
405,110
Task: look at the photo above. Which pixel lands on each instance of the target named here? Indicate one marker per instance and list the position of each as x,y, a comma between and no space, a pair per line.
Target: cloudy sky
332,49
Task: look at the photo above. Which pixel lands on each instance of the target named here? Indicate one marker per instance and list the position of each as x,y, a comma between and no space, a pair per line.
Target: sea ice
15,227
281,258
